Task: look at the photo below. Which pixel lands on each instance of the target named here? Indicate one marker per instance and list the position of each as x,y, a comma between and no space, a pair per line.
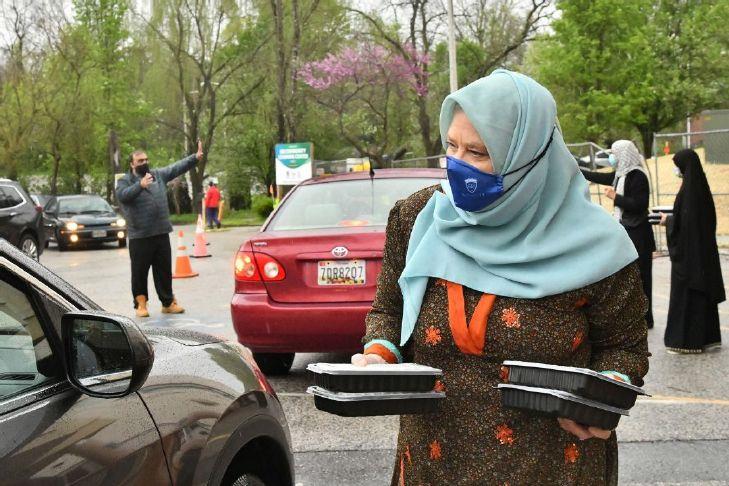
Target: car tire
248,480
29,245
274,363
123,243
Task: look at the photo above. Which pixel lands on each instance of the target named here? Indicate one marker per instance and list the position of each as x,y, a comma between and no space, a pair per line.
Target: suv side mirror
105,355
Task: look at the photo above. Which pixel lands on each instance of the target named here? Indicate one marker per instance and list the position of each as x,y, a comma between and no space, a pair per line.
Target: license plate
341,272
98,234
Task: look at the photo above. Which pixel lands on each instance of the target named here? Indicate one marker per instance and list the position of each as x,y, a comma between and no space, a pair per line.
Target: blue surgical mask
474,190
612,160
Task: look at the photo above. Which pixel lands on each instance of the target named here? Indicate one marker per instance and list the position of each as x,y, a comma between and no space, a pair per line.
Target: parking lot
679,435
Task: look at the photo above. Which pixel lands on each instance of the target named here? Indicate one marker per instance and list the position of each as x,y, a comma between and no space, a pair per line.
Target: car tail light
257,268
245,267
269,268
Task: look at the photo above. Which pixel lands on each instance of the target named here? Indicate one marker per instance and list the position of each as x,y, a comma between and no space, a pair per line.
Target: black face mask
142,170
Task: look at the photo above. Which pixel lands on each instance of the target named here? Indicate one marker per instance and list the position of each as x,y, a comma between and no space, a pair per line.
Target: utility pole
452,48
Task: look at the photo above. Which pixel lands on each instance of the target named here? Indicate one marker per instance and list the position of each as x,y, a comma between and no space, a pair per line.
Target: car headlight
121,222
72,226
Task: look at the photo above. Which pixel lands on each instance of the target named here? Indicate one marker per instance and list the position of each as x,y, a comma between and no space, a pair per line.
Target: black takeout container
558,403
404,377
371,404
582,382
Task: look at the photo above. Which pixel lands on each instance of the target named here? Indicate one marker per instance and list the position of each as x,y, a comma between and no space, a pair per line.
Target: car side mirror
106,355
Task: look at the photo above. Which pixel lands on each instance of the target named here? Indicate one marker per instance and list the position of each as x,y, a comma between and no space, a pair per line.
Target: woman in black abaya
696,282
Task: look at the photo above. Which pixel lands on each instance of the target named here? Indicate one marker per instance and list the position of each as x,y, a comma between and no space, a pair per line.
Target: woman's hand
664,219
360,359
583,432
610,192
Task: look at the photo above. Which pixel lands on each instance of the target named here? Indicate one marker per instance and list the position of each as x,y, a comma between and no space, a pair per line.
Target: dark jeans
153,251
645,263
211,215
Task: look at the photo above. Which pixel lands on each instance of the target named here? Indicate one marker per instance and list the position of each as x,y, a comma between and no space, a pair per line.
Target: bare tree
18,76
287,60
65,67
422,19
209,62
500,29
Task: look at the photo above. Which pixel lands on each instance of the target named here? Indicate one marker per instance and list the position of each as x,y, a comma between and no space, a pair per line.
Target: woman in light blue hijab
508,259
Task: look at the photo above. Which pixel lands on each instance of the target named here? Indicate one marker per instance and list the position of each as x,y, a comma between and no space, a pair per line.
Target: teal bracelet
391,347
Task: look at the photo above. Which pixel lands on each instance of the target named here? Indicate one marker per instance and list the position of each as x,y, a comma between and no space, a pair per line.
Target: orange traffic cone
200,246
183,269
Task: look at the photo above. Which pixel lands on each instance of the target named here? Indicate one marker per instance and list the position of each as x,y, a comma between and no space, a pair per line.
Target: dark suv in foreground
21,220
86,397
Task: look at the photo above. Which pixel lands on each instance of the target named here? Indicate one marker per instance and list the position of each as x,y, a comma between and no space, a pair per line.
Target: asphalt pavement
678,435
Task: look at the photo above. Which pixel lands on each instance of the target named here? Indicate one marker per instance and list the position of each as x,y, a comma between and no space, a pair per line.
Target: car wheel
29,246
123,243
274,363
248,480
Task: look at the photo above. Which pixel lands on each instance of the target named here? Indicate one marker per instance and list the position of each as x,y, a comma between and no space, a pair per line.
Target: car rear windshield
84,205
339,204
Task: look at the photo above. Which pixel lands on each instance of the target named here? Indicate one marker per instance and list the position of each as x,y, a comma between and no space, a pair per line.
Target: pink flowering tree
368,90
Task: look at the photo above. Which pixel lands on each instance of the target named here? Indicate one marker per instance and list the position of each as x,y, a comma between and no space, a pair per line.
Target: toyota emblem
340,252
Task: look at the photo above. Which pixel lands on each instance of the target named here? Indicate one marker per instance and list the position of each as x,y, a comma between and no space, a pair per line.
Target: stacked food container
580,394
379,389
654,217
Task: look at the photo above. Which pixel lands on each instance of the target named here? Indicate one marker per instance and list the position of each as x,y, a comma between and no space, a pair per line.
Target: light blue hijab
543,238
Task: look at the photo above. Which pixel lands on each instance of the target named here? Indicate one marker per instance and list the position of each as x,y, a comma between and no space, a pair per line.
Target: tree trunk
294,63
278,17
56,168
196,177
646,136
176,194
78,185
113,166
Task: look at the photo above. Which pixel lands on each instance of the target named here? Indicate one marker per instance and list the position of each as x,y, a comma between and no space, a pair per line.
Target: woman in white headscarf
629,190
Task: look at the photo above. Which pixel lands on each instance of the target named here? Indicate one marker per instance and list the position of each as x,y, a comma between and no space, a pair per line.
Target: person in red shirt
212,199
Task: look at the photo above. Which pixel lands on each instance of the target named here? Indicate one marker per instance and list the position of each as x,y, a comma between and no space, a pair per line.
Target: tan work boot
173,308
141,309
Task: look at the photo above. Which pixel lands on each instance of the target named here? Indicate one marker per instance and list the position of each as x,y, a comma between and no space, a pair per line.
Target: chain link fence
713,149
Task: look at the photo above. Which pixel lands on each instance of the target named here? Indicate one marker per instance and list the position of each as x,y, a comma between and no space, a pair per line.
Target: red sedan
306,282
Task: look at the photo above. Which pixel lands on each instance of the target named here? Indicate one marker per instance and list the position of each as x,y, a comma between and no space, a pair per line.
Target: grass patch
242,217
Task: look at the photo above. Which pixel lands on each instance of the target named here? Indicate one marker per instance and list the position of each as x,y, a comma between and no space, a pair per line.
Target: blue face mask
612,160
474,190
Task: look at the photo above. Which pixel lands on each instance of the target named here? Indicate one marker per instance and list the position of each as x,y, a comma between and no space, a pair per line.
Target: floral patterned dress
473,440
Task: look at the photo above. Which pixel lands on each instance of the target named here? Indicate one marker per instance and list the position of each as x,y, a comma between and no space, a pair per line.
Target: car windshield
340,204
84,205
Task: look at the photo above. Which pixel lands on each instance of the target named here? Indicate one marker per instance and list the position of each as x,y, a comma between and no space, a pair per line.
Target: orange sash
470,339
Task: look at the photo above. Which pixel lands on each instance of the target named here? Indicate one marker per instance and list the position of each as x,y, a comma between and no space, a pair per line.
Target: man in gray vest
142,194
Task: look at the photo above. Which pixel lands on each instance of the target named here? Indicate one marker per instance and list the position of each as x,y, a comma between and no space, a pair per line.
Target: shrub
262,205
